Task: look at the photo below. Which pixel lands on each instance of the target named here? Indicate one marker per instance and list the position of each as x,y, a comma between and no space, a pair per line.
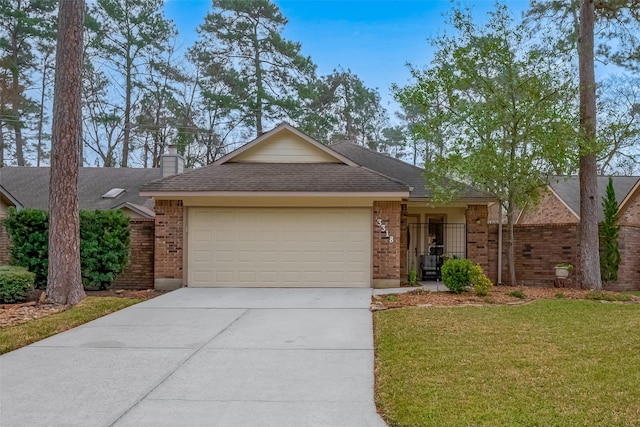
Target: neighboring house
287,211
560,204
98,188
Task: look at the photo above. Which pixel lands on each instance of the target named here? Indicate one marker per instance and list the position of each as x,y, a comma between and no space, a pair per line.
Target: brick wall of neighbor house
478,234
386,254
550,210
629,269
631,215
4,245
538,248
169,224
139,273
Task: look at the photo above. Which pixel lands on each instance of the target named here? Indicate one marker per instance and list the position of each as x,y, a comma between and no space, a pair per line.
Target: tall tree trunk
589,242
1,144
127,116
39,150
17,126
511,250
64,283
258,67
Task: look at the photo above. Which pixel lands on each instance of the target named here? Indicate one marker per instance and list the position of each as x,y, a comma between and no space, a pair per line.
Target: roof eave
182,194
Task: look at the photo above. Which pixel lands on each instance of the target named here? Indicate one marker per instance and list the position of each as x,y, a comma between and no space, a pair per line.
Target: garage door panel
279,247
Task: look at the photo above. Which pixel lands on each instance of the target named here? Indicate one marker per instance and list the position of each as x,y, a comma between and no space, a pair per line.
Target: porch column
169,238
478,235
404,274
386,244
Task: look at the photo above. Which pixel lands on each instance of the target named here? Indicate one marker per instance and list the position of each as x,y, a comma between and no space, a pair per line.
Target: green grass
549,363
601,296
91,308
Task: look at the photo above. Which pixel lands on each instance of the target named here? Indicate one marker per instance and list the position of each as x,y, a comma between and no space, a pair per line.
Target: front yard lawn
548,363
14,337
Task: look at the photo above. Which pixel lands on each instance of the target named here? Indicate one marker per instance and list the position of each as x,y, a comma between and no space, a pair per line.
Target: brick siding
4,244
386,254
538,248
477,217
631,215
169,237
550,210
404,274
629,269
139,273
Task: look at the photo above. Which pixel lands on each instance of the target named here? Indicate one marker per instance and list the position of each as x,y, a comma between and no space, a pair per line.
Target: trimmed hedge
16,283
104,244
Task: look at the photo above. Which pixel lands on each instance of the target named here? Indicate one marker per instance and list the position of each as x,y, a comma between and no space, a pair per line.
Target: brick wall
169,237
4,244
386,254
550,210
478,234
629,269
139,273
631,215
538,248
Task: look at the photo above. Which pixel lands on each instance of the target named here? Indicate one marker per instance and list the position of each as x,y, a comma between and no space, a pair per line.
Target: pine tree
610,257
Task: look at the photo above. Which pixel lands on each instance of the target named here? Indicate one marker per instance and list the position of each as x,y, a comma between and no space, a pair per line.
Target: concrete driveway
203,357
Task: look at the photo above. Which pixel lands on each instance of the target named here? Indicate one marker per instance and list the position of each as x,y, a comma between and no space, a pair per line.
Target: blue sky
373,38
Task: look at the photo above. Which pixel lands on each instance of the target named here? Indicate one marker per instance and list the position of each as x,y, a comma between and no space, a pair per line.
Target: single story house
560,204
286,211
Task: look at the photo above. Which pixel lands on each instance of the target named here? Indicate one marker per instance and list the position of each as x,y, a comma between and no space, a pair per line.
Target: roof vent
113,193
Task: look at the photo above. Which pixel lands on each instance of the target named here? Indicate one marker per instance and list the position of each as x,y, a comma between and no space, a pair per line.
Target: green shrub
104,244
457,274
16,283
104,247
560,295
29,233
481,283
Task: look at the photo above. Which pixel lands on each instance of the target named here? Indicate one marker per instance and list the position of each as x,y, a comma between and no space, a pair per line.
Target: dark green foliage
16,283
457,274
104,244
610,255
517,294
29,233
460,274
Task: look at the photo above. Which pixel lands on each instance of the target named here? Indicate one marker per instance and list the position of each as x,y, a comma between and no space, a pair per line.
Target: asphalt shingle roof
30,186
397,169
568,189
278,177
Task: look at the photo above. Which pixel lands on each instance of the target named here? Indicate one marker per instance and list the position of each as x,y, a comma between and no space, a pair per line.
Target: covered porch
432,234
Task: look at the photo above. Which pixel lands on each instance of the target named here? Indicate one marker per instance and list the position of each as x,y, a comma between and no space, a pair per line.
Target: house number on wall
383,228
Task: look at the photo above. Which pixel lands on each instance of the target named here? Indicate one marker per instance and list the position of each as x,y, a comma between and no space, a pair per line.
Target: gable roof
567,190
397,169
30,186
280,129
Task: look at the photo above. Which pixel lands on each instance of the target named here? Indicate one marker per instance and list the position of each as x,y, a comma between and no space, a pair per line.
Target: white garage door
279,247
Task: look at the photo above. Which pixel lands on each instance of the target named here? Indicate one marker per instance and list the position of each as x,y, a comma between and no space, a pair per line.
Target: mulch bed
16,314
499,296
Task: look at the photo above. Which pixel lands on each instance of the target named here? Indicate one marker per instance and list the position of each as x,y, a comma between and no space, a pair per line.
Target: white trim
296,132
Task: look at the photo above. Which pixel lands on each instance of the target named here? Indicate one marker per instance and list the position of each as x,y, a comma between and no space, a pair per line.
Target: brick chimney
171,163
